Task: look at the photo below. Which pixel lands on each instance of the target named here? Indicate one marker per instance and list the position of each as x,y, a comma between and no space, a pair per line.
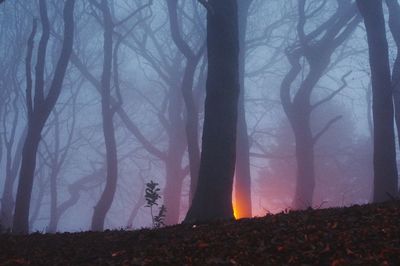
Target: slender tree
12,139
213,196
394,25
385,169
192,116
39,109
107,111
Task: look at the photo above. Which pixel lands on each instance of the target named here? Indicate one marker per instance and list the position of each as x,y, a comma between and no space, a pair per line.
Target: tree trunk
106,199
394,25
192,126
213,197
40,109
192,112
385,169
25,184
305,173
175,153
75,189
12,168
173,191
242,170
317,50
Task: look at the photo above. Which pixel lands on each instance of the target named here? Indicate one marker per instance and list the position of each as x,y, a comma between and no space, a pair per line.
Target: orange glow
234,211
240,203
238,211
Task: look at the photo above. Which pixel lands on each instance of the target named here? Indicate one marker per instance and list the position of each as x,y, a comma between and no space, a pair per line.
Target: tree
167,63
192,117
213,196
394,25
242,169
385,169
343,163
40,107
108,111
13,41
57,155
316,47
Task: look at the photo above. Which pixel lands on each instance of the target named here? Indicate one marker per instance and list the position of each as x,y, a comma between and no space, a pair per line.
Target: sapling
152,196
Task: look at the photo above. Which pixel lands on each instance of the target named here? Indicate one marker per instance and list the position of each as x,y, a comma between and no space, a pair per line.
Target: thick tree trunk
213,197
242,170
107,197
305,173
385,169
25,184
299,118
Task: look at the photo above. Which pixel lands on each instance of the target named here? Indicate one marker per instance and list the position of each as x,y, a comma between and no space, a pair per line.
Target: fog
149,76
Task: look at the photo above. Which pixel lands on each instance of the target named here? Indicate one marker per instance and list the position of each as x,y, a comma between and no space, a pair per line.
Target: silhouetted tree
39,109
169,115
385,169
394,25
316,47
192,116
107,111
213,196
13,41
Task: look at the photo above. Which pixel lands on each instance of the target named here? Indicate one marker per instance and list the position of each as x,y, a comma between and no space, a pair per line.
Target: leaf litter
357,235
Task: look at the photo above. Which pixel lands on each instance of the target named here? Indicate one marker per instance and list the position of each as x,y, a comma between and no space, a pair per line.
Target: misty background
149,124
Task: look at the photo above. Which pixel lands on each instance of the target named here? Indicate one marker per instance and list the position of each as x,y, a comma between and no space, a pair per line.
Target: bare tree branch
334,93
325,128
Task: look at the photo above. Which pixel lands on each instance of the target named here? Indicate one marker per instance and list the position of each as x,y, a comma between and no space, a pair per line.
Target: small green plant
160,217
152,196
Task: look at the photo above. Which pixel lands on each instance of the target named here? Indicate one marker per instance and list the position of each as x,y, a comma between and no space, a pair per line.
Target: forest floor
358,235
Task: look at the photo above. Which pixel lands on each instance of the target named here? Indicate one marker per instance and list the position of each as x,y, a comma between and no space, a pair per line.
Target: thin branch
120,111
325,128
301,23
41,56
28,69
134,13
334,93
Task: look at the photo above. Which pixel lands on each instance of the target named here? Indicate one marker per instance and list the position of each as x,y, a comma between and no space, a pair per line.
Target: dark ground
359,235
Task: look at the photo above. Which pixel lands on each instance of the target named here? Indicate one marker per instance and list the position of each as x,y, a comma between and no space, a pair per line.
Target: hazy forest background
131,77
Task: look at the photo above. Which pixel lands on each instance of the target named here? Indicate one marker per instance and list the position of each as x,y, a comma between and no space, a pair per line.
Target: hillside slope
358,235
